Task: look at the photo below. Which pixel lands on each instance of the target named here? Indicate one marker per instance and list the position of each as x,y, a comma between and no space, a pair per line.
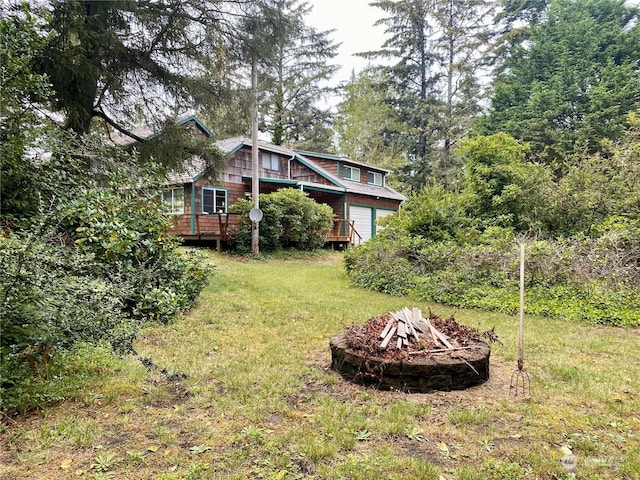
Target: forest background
503,122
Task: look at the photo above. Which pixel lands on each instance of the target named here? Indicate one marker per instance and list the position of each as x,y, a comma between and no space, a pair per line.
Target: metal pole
255,181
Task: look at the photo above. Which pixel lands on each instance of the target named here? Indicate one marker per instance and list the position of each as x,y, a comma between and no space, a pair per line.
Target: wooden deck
208,228
343,234
216,228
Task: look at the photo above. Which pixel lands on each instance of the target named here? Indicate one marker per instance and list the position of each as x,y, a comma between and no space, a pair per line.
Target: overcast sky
353,21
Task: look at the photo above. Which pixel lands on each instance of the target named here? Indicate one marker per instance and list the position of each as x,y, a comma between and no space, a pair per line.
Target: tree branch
102,115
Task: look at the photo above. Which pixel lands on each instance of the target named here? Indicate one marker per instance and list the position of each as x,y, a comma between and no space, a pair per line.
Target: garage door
381,214
363,223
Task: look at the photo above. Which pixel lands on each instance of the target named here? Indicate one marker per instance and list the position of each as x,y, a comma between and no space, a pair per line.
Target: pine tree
122,60
462,43
435,48
363,120
295,77
575,81
119,64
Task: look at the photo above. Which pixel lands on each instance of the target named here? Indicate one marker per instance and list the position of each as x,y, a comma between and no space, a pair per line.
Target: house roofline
266,146
321,188
337,158
318,170
299,183
199,124
273,180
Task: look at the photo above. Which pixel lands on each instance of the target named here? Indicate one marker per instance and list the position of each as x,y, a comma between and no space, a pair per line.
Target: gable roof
328,156
232,145
194,169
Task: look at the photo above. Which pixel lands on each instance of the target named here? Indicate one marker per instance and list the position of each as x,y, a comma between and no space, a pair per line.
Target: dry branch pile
396,334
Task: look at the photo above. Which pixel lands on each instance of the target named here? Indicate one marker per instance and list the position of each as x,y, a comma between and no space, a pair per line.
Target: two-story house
356,192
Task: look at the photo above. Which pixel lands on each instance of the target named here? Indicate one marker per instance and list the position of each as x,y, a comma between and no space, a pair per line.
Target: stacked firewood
410,327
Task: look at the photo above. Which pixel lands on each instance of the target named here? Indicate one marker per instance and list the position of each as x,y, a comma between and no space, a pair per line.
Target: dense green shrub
291,220
91,265
383,265
434,214
560,277
84,253
582,236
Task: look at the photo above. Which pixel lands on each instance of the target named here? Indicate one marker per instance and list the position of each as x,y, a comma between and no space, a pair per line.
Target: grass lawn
259,400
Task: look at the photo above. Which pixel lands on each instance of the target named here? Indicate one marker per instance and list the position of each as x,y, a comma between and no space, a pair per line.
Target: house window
374,178
351,173
174,199
270,161
214,200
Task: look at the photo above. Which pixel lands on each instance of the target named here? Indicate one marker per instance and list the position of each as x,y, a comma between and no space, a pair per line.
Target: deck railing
344,230
217,227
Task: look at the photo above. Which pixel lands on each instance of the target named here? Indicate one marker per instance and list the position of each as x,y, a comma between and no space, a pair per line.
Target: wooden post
521,319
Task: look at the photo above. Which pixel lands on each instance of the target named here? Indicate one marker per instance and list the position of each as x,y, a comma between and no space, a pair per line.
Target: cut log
406,313
412,330
399,316
421,325
402,330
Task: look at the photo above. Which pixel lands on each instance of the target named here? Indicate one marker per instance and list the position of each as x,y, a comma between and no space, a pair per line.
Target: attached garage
366,219
363,221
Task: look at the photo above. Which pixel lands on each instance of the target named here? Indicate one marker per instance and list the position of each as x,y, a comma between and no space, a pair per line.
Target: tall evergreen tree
294,70
410,82
120,64
120,60
513,24
295,77
462,43
434,48
363,120
573,83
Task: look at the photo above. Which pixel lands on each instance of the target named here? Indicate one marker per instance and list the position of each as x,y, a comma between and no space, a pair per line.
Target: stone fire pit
405,351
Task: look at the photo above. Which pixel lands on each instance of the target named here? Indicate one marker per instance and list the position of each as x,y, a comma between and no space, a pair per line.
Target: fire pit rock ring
413,374
404,368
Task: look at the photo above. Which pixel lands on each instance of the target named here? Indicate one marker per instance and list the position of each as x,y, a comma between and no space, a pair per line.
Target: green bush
381,266
461,248
90,266
84,253
564,278
435,215
291,220
270,230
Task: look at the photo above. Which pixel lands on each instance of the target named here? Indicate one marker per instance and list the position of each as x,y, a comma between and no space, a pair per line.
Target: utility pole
255,179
